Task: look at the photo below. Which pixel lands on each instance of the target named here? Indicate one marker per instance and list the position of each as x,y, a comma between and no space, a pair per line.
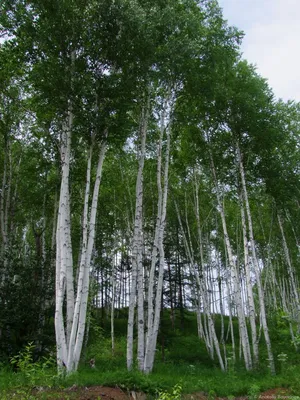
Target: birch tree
211,339
80,80
137,248
158,255
256,268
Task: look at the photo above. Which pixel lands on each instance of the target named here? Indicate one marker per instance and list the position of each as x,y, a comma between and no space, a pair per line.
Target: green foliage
34,372
111,371
173,394
211,395
187,350
282,358
119,53
296,341
20,324
19,394
24,360
253,392
231,366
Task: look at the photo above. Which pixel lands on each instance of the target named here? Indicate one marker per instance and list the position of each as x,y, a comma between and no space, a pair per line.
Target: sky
272,40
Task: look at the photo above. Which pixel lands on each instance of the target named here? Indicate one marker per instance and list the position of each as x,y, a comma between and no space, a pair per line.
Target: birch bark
79,322
112,309
230,326
250,298
234,275
291,273
137,270
158,247
63,244
256,266
69,335
212,340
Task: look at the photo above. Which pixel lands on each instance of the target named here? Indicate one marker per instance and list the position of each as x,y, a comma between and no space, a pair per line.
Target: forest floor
182,362
115,393
271,394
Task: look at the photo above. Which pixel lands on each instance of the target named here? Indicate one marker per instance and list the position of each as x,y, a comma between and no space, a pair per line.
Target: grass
181,358
193,378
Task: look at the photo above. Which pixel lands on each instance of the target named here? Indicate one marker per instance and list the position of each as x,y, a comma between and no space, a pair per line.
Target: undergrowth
182,366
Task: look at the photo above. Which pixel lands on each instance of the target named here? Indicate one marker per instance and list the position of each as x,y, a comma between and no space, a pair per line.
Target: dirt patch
115,393
271,394
97,392
88,393
195,396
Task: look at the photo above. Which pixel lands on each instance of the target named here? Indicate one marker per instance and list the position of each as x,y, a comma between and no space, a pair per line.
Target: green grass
183,359
193,378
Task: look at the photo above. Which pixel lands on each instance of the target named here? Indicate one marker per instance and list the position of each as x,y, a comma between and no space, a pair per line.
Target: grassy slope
181,358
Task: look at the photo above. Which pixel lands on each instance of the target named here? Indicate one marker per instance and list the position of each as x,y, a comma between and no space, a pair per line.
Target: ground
88,393
272,394
109,393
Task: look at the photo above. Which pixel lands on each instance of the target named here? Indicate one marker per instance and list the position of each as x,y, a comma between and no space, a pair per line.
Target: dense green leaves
104,60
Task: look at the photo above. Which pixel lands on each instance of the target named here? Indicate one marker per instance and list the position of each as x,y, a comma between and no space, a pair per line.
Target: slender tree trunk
291,273
141,315
63,249
200,246
230,327
201,284
235,277
256,266
112,308
69,341
79,322
282,291
137,272
154,317
250,297
172,316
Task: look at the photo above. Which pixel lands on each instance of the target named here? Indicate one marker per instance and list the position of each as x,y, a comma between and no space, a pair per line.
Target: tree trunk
291,273
235,277
69,341
112,307
250,298
158,248
256,266
137,267
63,249
213,342
78,326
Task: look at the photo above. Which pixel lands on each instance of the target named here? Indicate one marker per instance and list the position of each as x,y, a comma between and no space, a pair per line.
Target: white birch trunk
256,266
69,277
200,245
158,248
235,278
63,245
112,309
79,321
250,298
70,334
83,251
201,284
284,299
230,327
291,273
137,268
210,334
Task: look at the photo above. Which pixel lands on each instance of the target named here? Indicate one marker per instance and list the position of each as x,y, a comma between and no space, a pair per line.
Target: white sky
272,40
